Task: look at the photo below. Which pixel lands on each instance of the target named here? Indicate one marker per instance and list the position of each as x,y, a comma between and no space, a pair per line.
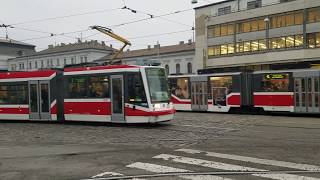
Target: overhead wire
66,16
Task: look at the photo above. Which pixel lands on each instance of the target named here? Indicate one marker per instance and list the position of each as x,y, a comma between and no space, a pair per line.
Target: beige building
247,35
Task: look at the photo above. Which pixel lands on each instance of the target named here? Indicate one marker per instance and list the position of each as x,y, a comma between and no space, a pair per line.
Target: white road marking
285,177
166,169
229,167
107,173
205,163
305,167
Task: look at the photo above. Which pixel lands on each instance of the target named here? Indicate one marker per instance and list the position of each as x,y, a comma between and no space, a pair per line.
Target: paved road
194,142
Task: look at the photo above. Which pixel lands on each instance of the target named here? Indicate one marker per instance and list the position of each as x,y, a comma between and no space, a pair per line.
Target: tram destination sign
276,76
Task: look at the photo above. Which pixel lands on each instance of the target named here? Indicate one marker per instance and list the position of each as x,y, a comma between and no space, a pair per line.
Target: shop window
311,38
224,49
211,51
254,45
230,29
239,47
262,44
298,17
246,46
230,48
290,41
275,83
298,42
224,30
318,40
217,31
180,88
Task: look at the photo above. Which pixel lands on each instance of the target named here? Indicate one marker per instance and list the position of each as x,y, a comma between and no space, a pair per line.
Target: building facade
11,49
177,59
60,56
251,35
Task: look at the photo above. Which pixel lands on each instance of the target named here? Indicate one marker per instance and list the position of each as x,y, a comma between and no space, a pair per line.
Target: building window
311,39
230,29
262,44
224,30
64,61
189,68
30,65
277,43
51,62
318,40
36,64
230,48
254,4
298,41
255,45
167,69
42,65
217,31
290,41
224,10
72,61
81,59
178,68
48,63
85,59
246,27
298,17
224,49
246,46
58,62
314,15
13,67
239,47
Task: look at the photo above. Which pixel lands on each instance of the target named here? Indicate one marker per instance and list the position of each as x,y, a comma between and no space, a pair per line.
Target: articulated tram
292,91
118,93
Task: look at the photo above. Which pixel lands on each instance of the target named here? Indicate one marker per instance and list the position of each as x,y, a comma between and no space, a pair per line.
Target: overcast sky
22,14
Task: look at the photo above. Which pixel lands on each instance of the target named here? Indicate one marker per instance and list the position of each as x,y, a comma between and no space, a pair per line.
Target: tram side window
78,87
220,88
98,87
136,92
180,88
14,94
275,83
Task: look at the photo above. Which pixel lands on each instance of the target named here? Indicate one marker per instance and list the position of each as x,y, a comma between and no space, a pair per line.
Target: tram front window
158,85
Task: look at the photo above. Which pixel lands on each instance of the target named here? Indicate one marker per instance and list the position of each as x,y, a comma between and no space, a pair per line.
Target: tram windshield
158,84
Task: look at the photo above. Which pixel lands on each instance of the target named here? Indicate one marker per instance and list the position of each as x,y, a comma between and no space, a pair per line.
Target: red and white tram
119,93
293,91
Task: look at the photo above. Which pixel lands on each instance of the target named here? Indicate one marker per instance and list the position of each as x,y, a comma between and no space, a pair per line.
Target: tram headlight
157,106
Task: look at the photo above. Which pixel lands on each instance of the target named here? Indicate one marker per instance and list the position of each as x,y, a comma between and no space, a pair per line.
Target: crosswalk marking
285,177
166,169
229,167
205,163
305,167
107,173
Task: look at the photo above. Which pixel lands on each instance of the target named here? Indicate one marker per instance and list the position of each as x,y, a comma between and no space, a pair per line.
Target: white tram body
119,94
290,91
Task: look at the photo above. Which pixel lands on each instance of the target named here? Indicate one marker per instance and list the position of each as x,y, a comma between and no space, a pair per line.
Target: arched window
189,68
167,69
177,68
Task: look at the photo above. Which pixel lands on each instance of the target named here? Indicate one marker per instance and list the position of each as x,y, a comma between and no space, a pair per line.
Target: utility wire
66,16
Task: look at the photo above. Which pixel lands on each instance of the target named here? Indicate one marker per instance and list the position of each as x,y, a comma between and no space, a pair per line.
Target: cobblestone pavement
34,150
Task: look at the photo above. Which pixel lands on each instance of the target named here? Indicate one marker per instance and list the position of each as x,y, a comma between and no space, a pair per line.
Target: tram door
199,93
306,93
117,98
39,100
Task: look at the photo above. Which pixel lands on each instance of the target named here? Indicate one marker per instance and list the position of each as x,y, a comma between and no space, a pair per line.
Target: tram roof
211,74
92,68
27,74
285,71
